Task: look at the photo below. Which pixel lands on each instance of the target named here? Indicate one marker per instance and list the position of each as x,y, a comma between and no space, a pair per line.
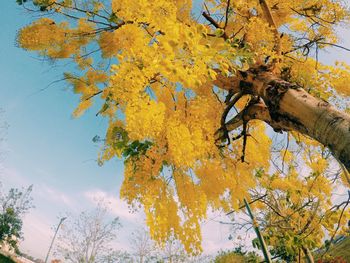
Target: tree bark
309,115
285,106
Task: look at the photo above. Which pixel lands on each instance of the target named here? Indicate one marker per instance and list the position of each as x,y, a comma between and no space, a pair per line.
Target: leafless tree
89,238
143,246
173,252
146,250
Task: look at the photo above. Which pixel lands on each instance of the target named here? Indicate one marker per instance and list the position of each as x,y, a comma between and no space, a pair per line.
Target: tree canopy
13,206
197,94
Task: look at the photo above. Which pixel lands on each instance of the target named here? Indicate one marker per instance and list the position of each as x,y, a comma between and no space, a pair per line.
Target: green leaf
219,32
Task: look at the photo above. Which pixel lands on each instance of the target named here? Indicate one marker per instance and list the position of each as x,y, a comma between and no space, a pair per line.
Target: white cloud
215,235
13,178
116,206
55,195
37,234
216,230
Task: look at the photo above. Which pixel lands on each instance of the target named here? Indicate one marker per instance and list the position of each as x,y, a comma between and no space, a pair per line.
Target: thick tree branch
285,106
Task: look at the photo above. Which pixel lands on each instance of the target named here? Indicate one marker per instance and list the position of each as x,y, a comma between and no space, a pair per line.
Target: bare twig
251,202
338,224
227,13
214,23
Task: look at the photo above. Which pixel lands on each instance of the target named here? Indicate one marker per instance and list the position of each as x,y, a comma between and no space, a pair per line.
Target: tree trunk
294,108
286,106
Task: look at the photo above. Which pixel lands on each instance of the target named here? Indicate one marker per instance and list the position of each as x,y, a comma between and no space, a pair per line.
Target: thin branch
82,10
217,96
311,218
267,11
230,105
211,20
93,95
338,224
285,152
334,45
251,202
214,23
227,13
244,133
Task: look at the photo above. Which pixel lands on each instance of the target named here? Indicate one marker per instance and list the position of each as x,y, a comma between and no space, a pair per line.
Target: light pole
53,239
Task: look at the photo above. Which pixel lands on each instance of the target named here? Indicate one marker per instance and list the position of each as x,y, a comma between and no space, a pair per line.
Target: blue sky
46,147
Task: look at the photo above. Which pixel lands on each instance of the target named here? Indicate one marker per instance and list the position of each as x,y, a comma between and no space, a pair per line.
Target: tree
295,213
170,82
173,252
6,259
88,239
13,206
237,255
145,250
143,246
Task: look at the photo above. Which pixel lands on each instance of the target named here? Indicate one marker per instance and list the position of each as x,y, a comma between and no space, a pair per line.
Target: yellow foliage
153,65
50,39
83,106
144,119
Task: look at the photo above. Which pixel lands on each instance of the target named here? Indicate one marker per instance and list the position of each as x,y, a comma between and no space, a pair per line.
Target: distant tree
13,205
10,228
237,255
4,259
88,239
229,256
142,245
172,251
296,220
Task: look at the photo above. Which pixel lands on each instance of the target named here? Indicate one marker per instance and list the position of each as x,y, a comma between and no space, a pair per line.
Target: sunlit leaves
55,40
152,64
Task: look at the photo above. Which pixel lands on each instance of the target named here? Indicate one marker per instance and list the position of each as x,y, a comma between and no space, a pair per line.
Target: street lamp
53,239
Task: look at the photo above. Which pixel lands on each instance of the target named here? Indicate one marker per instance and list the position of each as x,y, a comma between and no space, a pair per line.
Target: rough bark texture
309,115
286,106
